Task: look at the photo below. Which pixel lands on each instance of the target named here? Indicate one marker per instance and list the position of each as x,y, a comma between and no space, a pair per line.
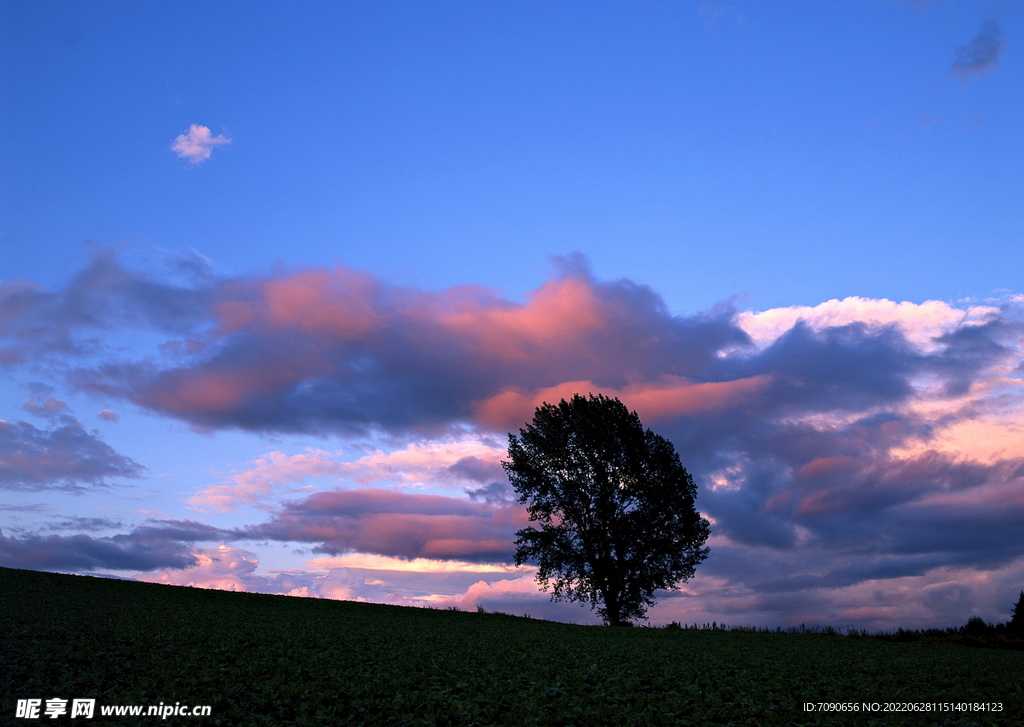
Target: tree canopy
614,505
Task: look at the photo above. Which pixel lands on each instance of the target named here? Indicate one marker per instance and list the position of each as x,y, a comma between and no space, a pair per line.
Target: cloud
269,474
453,461
84,553
159,544
980,54
223,568
65,457
397,525
494,493
197,144
354,577
443,463
86,523
516,596
42,404
874,594
854,444
49,328
362,577
364,561
108,415
668,397
334,350
921,324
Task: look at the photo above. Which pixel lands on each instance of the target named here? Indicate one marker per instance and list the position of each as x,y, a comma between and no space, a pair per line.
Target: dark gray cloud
476,469
104,296
84,553
980,54
65,457
87,523
159,544
494,493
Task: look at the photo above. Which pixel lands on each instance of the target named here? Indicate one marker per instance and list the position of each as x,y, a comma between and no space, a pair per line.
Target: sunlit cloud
669,397
471,460
457,462
268,475
365,561
483,592
223,568
920,323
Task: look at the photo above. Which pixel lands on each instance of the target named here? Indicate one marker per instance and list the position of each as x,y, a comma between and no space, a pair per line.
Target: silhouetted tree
1016,625
976,626
614,506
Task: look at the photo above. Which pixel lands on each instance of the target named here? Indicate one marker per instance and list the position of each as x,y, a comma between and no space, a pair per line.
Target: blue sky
373,156
673,145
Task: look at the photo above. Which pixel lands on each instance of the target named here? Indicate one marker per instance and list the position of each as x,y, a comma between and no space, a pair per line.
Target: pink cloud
431,463
395,524
197,144
266,477
365,561
227,568
224,569
561,314
669,397
336,302
823,465
482,592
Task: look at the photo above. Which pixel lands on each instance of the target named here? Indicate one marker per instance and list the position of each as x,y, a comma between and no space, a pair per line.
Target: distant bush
976,632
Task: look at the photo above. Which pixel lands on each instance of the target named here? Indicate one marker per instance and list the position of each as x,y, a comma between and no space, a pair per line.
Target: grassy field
274,660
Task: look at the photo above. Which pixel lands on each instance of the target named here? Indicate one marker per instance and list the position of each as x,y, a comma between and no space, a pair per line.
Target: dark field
275,660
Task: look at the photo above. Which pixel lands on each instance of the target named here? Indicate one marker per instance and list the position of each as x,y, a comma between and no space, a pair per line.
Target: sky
277,282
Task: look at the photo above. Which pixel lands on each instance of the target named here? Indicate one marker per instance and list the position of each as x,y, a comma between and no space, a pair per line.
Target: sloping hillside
274,660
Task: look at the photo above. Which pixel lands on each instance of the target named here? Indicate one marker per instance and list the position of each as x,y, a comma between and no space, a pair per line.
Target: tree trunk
611,608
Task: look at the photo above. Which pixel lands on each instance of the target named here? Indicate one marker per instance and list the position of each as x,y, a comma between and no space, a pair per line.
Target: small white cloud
197,144
108,415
